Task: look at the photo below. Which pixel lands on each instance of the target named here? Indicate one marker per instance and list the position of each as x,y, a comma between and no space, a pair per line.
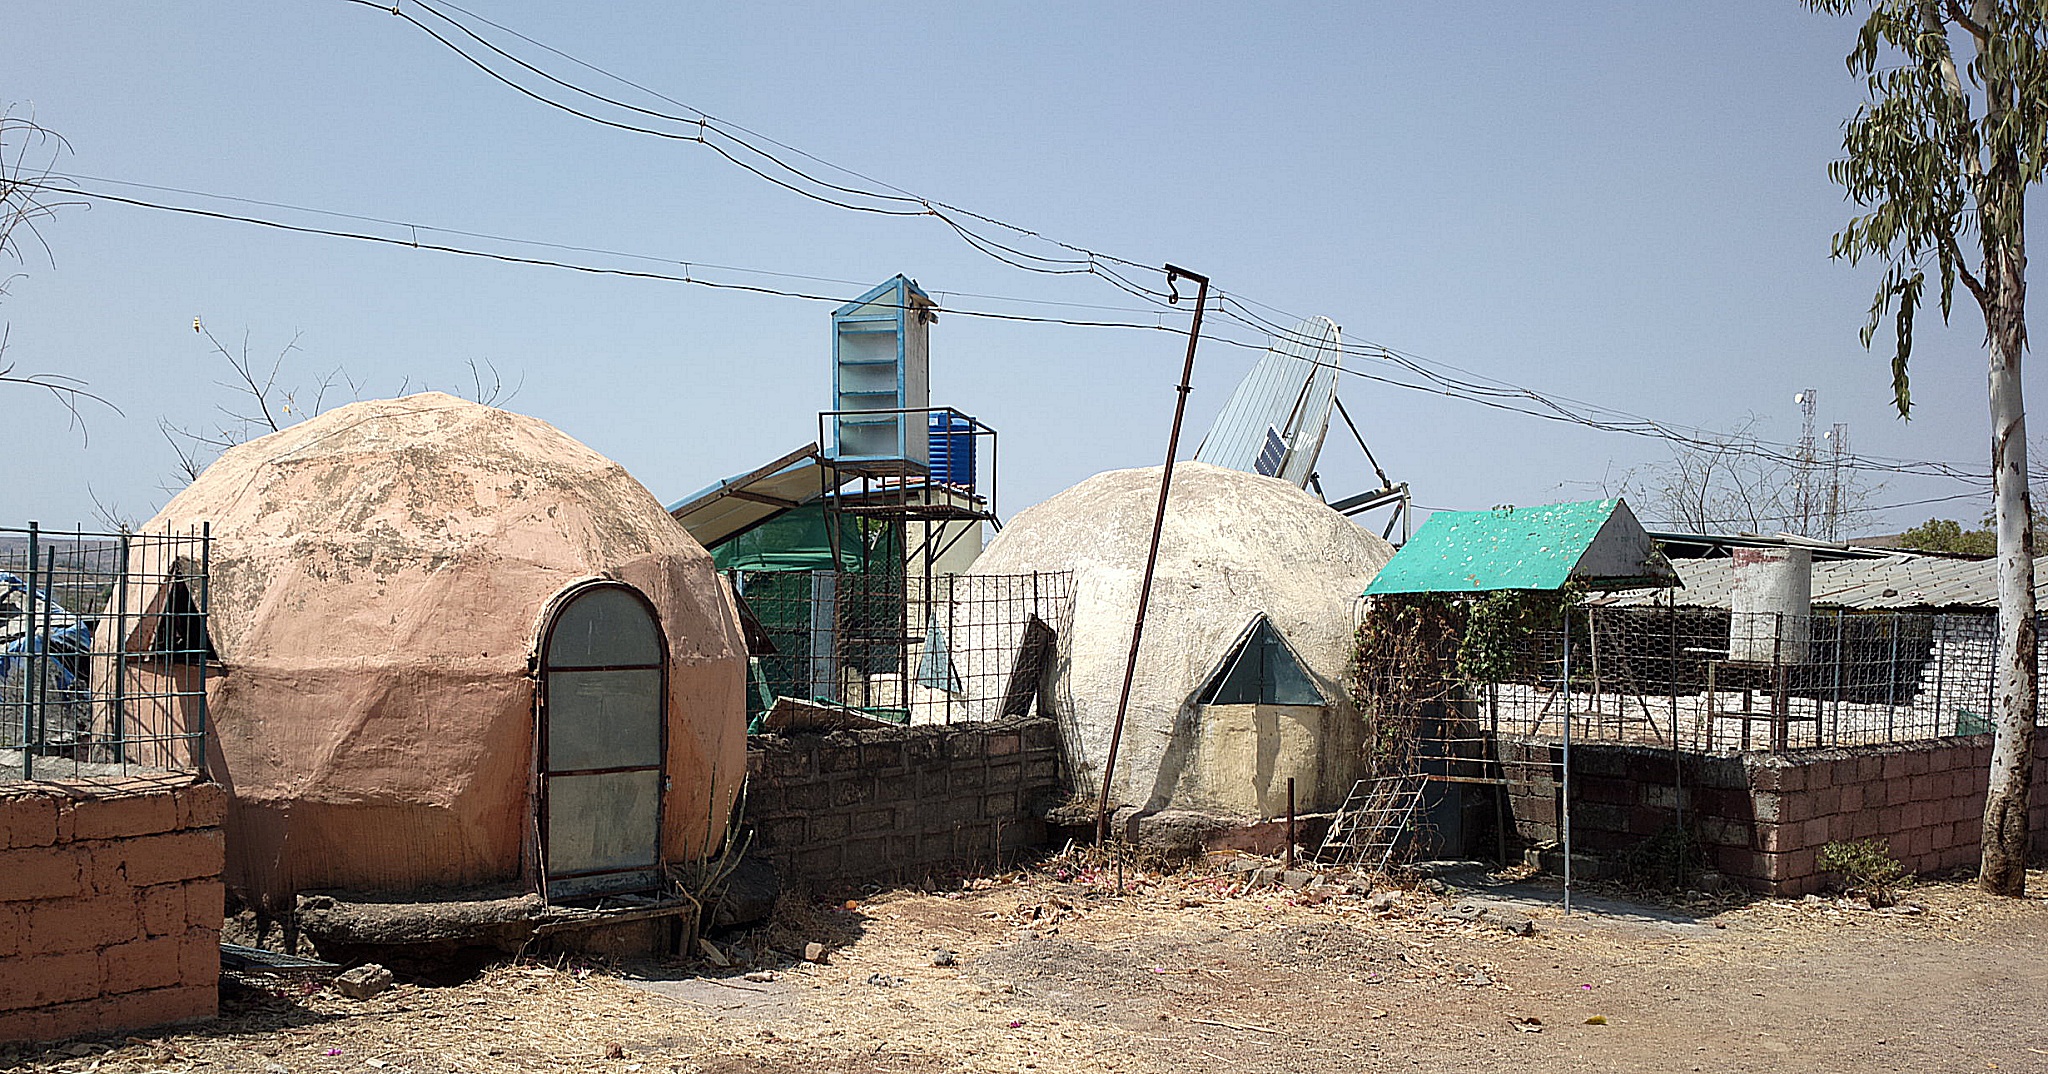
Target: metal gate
603,712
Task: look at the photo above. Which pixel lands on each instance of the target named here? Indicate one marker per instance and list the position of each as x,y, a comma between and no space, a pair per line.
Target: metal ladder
1371,821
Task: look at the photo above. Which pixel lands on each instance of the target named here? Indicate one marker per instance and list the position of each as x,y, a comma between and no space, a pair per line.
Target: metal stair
1372,820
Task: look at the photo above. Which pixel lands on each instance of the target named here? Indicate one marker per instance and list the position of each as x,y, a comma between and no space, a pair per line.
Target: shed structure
457,648
1597,543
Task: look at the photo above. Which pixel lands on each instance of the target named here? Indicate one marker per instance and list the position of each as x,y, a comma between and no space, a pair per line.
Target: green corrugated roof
1516,548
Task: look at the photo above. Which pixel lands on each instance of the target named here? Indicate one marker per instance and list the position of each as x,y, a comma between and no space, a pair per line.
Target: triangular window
1261,669
170,626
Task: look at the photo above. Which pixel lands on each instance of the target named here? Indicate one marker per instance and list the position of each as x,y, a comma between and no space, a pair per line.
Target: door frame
561,603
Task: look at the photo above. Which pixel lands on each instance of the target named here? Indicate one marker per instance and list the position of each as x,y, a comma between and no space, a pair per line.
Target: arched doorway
603,732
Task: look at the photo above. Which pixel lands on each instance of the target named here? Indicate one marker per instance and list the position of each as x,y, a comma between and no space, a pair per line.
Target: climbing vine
1405,657
1495,645
1416,650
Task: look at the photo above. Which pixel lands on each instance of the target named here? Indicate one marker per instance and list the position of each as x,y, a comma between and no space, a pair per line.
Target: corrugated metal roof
1680,545
739,503
1895,582
1539,548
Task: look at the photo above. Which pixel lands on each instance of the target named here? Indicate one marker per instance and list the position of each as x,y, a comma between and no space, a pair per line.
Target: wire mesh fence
1712,680
904,648
103,653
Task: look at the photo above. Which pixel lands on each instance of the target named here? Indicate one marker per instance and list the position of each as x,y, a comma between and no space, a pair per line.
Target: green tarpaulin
1596,542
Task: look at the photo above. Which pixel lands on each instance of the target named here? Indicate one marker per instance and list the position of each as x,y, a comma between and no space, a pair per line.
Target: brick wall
1926,799
110,906
1622,795
1762,818
846,808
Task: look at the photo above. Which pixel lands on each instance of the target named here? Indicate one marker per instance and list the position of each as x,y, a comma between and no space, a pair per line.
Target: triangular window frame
170,626
1261,668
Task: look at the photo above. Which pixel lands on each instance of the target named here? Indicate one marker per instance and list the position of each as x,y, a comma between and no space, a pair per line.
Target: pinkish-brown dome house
457,648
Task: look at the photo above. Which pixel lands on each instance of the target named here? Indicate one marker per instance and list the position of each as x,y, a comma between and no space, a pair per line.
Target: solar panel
1271,455
1288,394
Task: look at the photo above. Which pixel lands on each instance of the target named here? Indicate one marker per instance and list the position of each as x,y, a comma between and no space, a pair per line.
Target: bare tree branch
23,203
261,401
1725,484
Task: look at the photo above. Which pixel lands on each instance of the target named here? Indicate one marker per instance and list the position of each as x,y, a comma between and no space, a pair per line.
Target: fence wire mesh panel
1711,680
905,648
103,653
1483,699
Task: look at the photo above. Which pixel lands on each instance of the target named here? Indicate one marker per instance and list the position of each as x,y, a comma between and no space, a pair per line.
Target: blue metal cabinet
881,383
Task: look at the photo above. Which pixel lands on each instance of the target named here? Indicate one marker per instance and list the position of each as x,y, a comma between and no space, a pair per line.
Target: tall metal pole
1564,812
1180,406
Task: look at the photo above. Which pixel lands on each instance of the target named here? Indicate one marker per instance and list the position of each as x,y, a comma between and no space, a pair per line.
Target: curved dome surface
380,574
1235,546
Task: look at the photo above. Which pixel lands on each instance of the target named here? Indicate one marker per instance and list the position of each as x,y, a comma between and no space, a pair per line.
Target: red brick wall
1925,799
110,905
1761,819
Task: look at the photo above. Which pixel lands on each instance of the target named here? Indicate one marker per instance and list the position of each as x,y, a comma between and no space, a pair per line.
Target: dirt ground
1054,971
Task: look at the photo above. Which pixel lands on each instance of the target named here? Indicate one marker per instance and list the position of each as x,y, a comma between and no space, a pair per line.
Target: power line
598,270
1552,408
1508,401
567,247
1656,523
705,129
1872,510
622,80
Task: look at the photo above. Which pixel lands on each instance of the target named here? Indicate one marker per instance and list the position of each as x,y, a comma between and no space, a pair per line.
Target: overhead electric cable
1505,401
704,124
552,263
569,247
700,126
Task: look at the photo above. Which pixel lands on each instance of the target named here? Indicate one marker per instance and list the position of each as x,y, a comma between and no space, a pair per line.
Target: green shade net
775,562
799,540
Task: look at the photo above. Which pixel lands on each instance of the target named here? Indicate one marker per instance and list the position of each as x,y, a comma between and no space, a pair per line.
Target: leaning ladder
1371,821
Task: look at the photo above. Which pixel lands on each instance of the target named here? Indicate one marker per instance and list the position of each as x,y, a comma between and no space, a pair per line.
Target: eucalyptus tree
1940,156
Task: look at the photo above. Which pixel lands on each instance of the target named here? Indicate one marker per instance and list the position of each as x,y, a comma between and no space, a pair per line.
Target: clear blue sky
1620,202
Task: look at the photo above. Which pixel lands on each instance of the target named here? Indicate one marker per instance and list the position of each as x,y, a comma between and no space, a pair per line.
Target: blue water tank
952,450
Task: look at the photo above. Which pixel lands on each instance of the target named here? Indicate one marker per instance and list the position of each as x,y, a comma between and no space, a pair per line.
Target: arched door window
603,736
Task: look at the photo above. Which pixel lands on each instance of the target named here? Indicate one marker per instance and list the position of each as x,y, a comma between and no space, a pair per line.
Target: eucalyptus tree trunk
2002,294
2004,865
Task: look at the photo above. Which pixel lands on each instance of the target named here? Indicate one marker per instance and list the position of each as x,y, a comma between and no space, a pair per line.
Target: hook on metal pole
1180,406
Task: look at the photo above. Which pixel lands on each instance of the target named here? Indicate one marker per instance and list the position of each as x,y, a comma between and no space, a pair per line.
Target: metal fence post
1677,757
205,636
1835,711
1564,813
1891,682
1779,724
1940,675
42,661
28,677
117,646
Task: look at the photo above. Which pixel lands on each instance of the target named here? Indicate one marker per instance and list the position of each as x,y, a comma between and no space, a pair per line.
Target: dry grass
1053,970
